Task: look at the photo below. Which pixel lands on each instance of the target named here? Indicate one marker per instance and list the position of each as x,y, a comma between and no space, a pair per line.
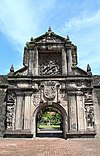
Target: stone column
81,113
27,112
19,105
69,60
64,62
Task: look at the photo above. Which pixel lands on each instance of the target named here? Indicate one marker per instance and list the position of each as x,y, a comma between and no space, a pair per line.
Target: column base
80,134
17,134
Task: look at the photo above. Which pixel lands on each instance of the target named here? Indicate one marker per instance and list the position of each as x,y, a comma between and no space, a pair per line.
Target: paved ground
49,147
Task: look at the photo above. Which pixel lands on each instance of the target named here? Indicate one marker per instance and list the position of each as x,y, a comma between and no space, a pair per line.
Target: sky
22,19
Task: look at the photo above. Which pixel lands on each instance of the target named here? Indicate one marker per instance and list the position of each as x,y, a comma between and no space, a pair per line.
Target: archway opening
50,122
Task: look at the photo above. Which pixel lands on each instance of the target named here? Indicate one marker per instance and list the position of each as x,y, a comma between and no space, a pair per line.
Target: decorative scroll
50,64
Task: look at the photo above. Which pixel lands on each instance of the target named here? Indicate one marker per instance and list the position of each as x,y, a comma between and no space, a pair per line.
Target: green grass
48,126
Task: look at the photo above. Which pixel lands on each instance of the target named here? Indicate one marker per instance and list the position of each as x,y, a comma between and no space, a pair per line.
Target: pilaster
19,105
69,60
81,113
64,62
33,62
27,112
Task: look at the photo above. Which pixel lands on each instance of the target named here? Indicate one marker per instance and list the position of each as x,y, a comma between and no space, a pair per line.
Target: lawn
49,126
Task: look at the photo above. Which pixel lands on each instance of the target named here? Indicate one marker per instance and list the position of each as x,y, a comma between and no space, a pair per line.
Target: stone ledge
84,134
17,134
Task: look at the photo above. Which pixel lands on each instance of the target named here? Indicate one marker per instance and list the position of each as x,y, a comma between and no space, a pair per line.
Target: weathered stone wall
96,100
2,111
3,88
96,97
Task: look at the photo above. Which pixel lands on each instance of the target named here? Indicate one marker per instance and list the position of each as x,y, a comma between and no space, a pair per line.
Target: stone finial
68,39
31,39
49,30
27,43
89,70
12,69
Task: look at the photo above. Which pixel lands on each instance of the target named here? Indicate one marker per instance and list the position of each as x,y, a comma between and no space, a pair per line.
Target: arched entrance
62,127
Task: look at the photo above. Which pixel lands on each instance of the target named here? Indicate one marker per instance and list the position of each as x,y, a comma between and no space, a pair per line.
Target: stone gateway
50,77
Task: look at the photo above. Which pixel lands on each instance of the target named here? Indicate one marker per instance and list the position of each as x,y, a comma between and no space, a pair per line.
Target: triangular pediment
49,37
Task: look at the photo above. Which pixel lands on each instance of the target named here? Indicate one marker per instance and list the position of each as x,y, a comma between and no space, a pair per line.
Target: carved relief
50,69
63,97
89,111
79,84
89,115
49,64
49,90
36,99
10,110
49,39
9,116
11,97
88,97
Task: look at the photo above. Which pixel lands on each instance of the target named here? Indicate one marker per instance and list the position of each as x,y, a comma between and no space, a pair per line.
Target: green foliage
49,117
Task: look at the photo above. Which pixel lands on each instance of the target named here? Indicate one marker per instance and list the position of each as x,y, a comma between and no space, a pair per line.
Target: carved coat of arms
50,91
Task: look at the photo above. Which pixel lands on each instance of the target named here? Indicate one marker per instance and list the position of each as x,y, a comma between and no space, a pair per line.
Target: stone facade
50,77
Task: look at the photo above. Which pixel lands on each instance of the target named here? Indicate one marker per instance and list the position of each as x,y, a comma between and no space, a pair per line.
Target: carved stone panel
89,110
49,63
11,97
89,116
9,116
10,111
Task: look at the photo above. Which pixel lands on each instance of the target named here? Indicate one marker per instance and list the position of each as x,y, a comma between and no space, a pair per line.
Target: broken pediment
79,71
21,72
